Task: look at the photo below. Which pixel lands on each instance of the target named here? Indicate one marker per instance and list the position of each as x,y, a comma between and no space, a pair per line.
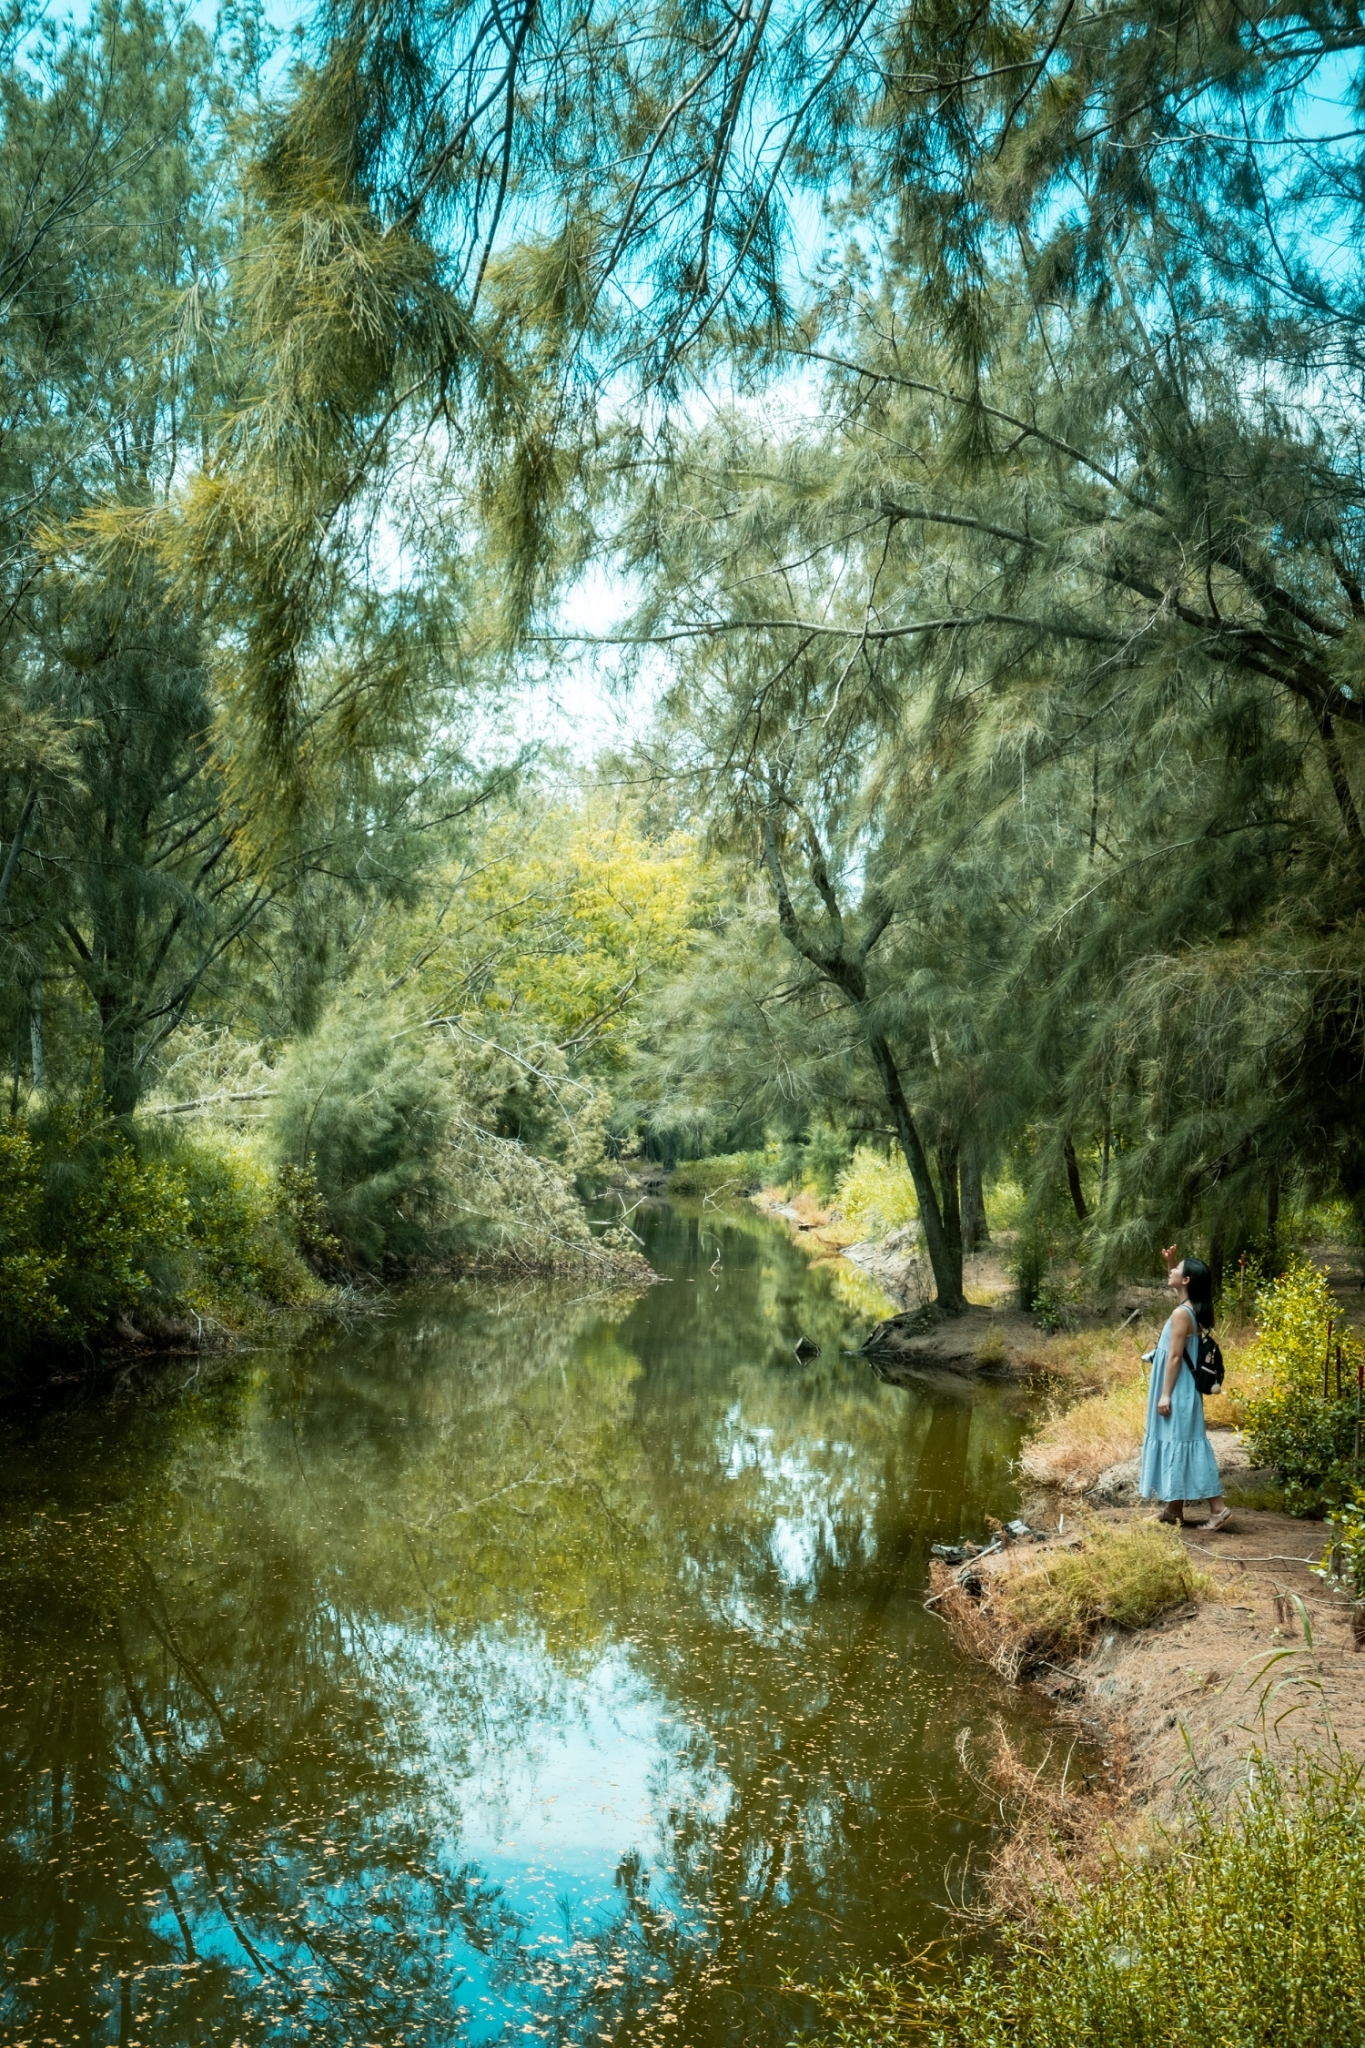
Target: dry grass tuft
1035,1606
1060,1829
1093,1361
1073,1448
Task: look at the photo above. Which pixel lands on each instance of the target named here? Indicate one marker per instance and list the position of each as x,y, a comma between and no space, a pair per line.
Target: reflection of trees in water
814,1716
212,1635
739,1282
213,1820
803,1702
249,1683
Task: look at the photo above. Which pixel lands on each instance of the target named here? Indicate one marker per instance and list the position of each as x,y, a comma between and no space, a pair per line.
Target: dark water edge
515,1666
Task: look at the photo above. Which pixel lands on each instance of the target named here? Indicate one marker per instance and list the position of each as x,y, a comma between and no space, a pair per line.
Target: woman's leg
1220,1514
1172,1511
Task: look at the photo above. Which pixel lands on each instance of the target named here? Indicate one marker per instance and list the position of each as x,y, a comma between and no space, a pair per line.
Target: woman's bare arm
1182,1322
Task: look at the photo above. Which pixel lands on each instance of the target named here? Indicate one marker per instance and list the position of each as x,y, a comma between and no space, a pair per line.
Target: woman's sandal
1216,1522
1172,1521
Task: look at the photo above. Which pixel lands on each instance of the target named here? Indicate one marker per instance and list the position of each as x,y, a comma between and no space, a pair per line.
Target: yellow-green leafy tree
531,955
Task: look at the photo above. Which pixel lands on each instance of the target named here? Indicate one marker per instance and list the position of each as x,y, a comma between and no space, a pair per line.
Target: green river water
509,1667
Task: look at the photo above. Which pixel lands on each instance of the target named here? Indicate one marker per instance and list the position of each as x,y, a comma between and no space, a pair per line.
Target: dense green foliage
1343,1561
251,1030
1252,1933
1005,599
95,1236
1303,1421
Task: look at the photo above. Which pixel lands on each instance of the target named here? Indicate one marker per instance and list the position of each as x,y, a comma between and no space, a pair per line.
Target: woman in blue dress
1177,1458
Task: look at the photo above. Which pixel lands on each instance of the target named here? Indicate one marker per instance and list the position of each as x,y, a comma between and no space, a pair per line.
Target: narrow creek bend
506,1667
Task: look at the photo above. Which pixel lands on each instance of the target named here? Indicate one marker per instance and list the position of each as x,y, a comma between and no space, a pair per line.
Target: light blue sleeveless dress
1177,1457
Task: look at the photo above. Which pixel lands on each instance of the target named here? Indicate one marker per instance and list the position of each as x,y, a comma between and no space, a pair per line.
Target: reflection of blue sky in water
544,1807
549,1809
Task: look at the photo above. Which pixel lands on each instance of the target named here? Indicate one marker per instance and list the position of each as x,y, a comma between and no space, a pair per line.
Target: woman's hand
1163,1406
1170,1254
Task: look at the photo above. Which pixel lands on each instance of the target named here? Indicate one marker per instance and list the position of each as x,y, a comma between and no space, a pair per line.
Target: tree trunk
1272,1211
118,1047
948,1153
17,844
1341,784
847,971
945,1259
975,1230
1073,1178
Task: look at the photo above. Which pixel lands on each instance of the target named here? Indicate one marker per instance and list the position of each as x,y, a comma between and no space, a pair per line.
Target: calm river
509,1667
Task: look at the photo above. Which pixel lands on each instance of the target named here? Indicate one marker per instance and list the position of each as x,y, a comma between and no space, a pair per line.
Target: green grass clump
1126,1576
1251,1936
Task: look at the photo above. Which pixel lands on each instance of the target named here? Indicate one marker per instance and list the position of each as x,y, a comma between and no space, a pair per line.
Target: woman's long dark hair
1200,1297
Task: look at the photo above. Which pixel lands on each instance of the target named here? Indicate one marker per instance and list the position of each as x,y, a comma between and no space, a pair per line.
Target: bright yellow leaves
550,931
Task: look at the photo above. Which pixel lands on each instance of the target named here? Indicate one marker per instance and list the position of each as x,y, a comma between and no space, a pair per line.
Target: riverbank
994,1337
1250,1657
161,1347
1231,1654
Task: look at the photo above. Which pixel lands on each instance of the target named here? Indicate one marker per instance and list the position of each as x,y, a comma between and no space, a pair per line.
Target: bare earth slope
1267,1661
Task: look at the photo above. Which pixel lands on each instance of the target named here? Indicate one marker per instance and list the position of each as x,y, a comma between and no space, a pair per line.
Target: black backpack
1208,1363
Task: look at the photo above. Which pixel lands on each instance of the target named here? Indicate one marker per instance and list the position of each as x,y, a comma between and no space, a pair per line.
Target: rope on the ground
1272,1557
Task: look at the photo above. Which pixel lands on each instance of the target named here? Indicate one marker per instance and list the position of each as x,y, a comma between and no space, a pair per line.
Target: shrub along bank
1249,1932
102,1239
379,1157
1303,1417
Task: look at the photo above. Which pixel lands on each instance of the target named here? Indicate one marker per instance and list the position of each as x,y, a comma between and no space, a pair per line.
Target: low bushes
245,1242
1252,1933
421,1154
93,1233
825,1158
170,1232
1310,1442
83,1223
1343,1561
370,1105
1296,1421
876,1194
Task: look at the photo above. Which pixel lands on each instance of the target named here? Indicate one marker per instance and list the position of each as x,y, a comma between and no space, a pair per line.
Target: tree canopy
963,405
